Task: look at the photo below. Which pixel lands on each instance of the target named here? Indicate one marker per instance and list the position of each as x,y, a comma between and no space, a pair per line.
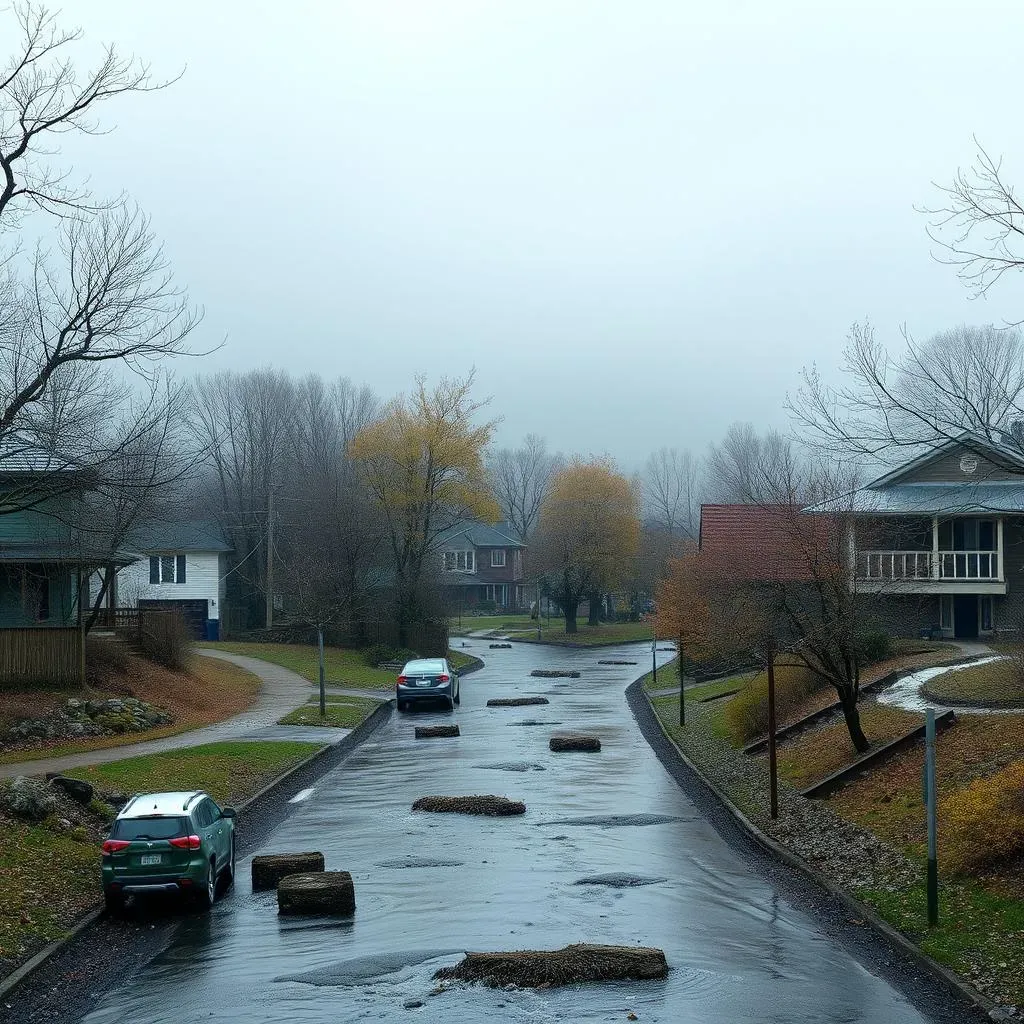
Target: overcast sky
636,220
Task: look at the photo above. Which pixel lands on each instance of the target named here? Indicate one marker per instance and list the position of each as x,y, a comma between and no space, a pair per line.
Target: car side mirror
228,812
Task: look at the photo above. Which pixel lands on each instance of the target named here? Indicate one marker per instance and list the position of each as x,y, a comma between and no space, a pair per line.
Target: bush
377,654
983,824
746,714
164,637
487,607
873,646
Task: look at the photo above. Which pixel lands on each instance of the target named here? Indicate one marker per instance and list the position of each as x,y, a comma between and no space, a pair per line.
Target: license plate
150,858
422,682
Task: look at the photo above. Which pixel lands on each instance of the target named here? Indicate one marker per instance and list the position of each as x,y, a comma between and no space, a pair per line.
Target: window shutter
179,576
154,569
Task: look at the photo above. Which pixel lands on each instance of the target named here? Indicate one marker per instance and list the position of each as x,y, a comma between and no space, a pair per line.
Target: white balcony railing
925,565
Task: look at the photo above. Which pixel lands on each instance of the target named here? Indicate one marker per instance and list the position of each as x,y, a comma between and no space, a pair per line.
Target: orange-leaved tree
589,532
423,463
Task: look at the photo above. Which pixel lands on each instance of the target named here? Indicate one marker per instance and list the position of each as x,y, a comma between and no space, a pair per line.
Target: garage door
193,611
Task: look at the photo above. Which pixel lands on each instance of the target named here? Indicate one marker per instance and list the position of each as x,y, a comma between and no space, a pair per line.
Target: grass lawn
606,633
458,660
230,771
993,681
343,666
209,692
342,712
819,752
474,623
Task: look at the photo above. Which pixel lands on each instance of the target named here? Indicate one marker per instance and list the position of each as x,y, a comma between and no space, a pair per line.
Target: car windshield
424,668
147,828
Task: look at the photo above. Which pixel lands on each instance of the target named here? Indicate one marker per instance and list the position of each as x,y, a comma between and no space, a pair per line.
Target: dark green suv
169,843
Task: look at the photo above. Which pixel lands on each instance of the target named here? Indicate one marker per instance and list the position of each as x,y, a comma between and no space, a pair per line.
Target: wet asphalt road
738,946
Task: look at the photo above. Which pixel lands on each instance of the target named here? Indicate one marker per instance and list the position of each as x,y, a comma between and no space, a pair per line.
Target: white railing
924,565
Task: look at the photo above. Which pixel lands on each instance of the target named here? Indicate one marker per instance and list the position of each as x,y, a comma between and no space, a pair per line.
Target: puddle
512,766
419,862
533,721
368,968
616,820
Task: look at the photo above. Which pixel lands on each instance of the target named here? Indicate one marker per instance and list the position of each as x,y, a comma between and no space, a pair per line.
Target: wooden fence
46,656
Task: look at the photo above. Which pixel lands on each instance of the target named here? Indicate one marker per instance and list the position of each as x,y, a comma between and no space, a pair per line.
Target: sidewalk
282,691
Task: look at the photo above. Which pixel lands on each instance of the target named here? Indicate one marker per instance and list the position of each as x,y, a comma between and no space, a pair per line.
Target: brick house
481,563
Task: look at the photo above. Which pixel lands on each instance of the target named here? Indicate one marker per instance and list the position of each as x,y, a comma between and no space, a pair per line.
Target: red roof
765,542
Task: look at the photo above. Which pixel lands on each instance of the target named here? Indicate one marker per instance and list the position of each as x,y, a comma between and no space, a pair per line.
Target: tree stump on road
268,870
555,673
569,966
320,892
561,744
429,732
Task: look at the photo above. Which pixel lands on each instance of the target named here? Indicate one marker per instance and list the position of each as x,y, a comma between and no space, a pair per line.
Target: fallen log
269,869
555,673
491,806
322,892
569,966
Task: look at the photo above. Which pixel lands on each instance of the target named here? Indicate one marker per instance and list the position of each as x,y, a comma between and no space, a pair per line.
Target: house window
986,614
166,569
497,558
459,561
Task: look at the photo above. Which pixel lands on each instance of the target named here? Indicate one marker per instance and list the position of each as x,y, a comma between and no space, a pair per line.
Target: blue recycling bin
212,629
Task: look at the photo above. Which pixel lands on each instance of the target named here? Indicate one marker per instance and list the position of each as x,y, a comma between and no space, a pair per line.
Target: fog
637,221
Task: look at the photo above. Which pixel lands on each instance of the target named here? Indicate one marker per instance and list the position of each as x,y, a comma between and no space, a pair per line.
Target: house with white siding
181,567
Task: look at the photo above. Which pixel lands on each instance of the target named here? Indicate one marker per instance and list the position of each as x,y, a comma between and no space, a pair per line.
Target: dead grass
826,748
491,806
210,691
515,702
429,732
996,682
572,965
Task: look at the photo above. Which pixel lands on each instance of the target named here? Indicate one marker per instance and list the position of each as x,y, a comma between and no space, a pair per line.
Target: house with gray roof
482,563
941,539
181,567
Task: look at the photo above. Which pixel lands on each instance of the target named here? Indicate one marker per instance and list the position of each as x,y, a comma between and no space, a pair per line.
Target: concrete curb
781,853
361,732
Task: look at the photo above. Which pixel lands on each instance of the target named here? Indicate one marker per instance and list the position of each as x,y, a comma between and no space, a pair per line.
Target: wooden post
270,558
323,690
929,787
773,776
682,683
81,634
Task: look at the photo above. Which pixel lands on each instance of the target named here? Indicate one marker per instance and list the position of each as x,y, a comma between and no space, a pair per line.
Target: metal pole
654,660
773,777
270,558
323,690
929,783
539,620
682,683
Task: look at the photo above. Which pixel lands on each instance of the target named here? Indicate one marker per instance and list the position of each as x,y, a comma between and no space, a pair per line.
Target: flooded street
429,886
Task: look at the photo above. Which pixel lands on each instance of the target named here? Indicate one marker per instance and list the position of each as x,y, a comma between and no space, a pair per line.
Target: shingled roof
777,543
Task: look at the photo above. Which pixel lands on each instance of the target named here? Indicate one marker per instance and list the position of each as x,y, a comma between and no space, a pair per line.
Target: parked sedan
169,843
427,679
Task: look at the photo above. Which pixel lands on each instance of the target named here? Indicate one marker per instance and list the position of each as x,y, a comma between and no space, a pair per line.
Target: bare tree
966,379
519,478
978,225
670,483
748,467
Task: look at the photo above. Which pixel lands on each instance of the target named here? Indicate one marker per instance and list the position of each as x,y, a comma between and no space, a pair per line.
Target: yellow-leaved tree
422,461
588,533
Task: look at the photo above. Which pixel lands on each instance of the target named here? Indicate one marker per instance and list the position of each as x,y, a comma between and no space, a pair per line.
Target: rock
491,806
27,799
268,870
569,966
412,1004
320,892
116,800
426,732
561,744
75,788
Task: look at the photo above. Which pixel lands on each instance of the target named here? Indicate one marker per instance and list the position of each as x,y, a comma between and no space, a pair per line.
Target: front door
965,616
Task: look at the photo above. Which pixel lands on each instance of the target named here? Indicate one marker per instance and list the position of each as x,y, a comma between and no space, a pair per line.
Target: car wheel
458,695
227,876
114,902
207,895
402,706
451,703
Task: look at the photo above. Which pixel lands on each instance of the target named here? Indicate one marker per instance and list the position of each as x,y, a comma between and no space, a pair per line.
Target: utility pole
270,558
654,659
929,796
773,776
323,689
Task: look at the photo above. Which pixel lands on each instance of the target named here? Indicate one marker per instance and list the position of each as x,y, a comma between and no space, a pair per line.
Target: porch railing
924,565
